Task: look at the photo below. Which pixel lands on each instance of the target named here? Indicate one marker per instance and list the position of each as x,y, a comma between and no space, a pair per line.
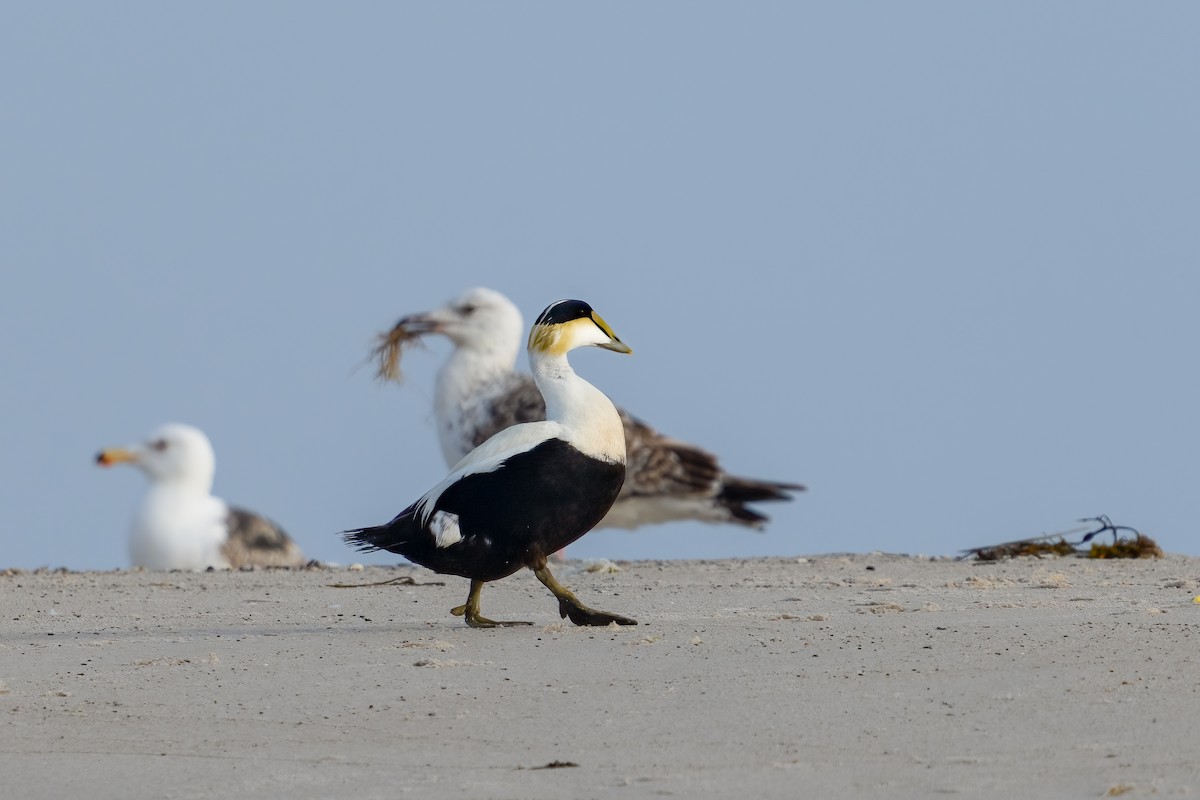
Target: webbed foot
477,620
583,615
469,611
570,607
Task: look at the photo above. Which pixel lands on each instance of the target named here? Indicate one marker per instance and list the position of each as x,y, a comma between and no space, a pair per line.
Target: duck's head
568,324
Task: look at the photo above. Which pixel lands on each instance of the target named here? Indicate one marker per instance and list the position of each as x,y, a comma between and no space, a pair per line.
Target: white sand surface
865,676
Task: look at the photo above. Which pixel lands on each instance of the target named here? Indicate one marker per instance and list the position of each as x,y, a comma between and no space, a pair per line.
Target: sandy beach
829,676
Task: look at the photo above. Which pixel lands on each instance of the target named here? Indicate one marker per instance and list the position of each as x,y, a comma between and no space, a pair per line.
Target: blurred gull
180,525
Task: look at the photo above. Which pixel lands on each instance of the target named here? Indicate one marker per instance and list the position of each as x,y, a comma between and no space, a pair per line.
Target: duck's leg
470,611
569,605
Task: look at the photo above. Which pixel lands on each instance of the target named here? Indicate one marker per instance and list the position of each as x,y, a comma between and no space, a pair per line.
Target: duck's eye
159,444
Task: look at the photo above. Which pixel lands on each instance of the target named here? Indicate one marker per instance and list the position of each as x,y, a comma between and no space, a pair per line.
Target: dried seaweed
1140,546
1127,543
389,346
403,580
1039,546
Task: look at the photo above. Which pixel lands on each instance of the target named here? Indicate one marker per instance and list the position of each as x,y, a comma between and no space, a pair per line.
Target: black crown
564,311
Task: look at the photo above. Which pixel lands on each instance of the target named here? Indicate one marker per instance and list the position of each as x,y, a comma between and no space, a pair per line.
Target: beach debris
1140,546
1124,545
554,765
1050,545
602,565
403,580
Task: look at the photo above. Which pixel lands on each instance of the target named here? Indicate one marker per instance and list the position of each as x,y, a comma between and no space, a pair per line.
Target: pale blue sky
936,260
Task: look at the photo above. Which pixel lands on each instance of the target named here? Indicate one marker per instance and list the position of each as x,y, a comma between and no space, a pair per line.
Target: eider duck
529,490
479,392
180,525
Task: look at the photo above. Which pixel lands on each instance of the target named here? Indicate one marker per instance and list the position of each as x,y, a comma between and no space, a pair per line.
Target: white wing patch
489,457
444,527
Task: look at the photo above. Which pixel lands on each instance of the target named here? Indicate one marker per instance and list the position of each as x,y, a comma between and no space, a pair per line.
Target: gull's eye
467,310
159,445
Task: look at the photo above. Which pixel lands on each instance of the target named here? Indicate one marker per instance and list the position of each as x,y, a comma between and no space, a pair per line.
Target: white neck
467,368
197,480
574,403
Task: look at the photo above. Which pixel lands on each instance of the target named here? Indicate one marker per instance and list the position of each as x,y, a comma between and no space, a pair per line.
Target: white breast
179,530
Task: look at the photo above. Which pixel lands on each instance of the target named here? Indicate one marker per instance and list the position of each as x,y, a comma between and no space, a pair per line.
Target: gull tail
736,492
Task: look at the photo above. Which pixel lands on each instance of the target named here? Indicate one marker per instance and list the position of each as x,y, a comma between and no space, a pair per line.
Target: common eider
180,525
529,490
479,392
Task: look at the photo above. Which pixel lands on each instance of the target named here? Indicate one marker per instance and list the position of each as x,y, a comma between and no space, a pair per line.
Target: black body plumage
537,503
